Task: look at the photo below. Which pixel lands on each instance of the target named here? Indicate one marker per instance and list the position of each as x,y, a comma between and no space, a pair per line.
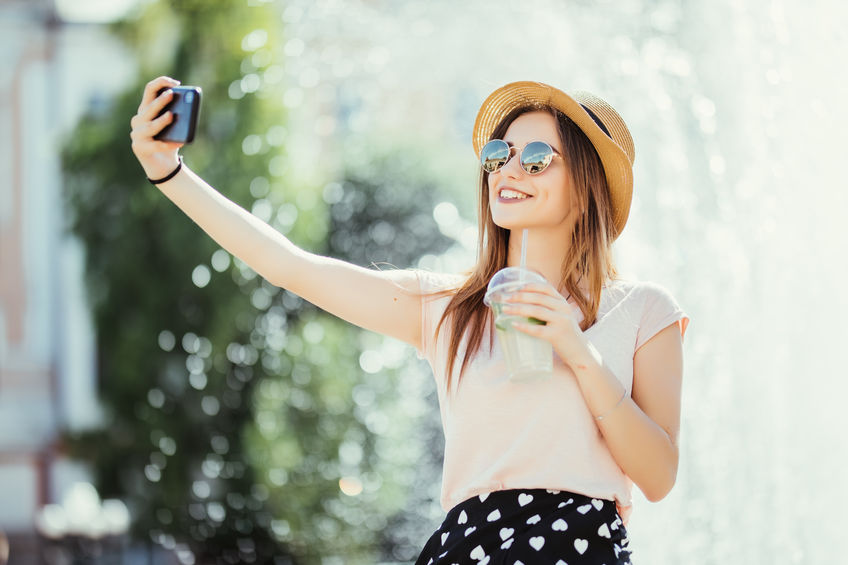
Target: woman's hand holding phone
157,158
386,302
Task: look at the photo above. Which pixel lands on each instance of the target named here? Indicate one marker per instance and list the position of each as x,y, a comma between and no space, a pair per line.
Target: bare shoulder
430,282
420,282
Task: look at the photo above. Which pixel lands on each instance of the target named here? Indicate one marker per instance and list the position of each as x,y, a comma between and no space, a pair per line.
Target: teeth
507,193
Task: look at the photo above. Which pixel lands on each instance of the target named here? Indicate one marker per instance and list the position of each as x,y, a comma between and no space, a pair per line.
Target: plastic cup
527,357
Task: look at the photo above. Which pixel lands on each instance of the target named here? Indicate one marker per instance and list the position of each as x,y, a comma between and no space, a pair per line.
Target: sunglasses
534,158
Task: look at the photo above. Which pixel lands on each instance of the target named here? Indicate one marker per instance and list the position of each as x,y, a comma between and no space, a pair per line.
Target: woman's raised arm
386,302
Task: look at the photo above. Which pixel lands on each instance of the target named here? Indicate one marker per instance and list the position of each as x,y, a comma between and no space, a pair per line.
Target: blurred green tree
239,427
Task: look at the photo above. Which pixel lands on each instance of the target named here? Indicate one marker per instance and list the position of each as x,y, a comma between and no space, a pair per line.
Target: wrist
597,382
160,178
584,359
160,165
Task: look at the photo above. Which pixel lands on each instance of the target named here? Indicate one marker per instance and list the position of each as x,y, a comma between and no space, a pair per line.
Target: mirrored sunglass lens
536,157
494,155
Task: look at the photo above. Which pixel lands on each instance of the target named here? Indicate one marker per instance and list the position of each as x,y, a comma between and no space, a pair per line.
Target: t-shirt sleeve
660,311
432,306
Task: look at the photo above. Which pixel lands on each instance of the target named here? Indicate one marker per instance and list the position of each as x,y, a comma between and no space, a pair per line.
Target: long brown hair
588,261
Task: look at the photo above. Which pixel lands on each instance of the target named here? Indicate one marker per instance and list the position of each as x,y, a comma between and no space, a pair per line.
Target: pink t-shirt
501,434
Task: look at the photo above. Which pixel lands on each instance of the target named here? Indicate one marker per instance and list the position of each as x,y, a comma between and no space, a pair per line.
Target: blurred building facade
51,73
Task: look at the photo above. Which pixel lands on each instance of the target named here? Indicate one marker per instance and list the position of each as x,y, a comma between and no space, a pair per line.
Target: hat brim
618,166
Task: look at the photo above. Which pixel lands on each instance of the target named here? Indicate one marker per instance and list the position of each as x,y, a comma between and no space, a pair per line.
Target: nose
512,168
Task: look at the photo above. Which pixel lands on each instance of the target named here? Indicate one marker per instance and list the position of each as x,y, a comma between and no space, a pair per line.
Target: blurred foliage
240,427
387,217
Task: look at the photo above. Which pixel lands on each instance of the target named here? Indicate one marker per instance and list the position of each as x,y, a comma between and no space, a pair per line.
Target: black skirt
529,527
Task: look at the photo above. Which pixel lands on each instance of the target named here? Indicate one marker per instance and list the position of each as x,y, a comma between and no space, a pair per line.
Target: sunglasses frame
519,152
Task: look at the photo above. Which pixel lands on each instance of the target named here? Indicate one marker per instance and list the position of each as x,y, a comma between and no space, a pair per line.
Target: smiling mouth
508,194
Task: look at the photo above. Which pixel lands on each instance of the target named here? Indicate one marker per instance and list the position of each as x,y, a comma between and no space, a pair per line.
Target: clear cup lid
509,280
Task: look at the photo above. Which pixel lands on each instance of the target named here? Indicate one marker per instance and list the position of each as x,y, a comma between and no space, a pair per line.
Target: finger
152,88
529,311
529,297
536,330
157,125
156,106
540,288
140,126
138,123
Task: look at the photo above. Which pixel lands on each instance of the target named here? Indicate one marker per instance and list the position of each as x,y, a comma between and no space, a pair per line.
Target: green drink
527,357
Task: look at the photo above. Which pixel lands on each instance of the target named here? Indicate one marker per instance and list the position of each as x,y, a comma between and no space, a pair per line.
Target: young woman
534,472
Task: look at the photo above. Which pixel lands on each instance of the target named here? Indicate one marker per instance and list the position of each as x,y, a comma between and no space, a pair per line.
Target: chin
512,219
505,223
511,224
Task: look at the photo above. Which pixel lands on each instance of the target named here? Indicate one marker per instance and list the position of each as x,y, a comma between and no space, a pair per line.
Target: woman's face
550,201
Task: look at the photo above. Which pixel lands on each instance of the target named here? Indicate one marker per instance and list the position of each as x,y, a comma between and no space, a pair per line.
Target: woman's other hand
157,158
561,328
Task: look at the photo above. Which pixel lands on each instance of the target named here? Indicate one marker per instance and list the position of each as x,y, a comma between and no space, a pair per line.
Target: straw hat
597,119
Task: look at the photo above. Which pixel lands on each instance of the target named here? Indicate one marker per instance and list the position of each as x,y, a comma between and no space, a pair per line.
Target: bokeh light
245,422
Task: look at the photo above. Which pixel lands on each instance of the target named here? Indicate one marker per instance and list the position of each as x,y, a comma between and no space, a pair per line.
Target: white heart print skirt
529,527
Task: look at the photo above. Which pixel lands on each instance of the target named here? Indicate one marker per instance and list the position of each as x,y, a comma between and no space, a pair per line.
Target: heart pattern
559,525
589,533
477,553
581,545
566,503
537,542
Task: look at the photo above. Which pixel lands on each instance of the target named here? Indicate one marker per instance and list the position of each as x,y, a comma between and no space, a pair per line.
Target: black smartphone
185,106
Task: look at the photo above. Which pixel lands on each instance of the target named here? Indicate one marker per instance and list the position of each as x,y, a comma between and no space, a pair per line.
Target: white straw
523,254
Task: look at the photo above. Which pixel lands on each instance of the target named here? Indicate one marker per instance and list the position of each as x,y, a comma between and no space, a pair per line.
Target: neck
543,255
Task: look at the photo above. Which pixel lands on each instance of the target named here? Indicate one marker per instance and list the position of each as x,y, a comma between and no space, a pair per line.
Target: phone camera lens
189,96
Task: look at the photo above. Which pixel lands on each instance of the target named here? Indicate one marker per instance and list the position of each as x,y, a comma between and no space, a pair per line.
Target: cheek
566,199
560,200
557,193
491,194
